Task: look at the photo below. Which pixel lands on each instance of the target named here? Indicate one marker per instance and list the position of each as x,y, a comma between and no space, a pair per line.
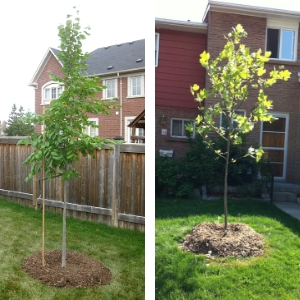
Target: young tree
63,139
231,74
17,125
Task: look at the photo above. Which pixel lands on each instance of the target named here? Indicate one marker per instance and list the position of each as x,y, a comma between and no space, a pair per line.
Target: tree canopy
17,124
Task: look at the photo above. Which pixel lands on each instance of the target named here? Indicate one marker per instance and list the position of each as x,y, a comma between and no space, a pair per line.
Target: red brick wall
166,142
285,95
110,125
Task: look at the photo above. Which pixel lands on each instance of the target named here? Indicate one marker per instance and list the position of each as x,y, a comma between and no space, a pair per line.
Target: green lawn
182,275
122,251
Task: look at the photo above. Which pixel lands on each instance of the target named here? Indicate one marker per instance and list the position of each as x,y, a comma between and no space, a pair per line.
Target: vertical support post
43,197
116,186
64,235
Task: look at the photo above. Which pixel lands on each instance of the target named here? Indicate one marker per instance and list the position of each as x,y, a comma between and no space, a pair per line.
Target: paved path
290,208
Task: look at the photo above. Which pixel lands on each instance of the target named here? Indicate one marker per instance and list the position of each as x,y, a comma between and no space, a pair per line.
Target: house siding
178,68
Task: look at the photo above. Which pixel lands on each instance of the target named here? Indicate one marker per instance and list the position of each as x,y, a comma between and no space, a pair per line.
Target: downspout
121,109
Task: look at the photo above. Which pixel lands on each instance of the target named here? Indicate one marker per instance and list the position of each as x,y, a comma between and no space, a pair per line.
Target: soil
210,239
81,271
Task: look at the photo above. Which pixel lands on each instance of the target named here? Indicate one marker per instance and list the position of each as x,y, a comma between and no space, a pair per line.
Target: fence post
116,186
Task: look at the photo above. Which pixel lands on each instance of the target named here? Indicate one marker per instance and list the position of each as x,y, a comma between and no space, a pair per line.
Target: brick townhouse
268,29
121,68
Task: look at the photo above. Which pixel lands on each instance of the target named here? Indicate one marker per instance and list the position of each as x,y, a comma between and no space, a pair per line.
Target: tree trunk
225,185
64,232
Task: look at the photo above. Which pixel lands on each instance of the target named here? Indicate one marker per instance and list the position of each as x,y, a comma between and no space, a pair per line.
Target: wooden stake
43,201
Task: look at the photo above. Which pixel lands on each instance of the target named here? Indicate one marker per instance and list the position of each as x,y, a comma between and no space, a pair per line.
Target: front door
274,138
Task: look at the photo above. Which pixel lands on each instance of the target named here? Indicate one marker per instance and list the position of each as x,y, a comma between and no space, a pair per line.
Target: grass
122,251
182,275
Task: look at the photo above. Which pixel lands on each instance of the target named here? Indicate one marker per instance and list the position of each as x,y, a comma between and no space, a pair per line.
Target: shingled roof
107,60
116,58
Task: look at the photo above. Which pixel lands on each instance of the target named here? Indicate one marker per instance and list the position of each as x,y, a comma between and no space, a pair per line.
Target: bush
166,173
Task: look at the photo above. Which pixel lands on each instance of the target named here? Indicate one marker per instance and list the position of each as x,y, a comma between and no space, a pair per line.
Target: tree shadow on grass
179,208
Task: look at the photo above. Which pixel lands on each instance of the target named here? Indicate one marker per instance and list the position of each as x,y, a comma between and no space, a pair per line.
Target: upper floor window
224,120
178,128
91,131
282,40
51,91
112,88
136,86
156,48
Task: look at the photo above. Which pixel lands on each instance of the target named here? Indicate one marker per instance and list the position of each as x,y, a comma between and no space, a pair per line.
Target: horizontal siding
178,68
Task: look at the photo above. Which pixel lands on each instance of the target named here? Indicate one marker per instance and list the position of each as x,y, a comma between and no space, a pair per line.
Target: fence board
112,176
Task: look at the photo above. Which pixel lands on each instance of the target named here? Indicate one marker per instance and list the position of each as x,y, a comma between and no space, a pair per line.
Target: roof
121,57
186,26
255,11
124,57
139,121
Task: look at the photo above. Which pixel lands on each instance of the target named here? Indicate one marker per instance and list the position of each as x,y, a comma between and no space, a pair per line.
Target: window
178,128
156,48
136,86
224,121
91,131
112,89
281,40
51,91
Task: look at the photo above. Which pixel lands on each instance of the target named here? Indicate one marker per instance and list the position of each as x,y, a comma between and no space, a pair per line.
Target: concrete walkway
290,208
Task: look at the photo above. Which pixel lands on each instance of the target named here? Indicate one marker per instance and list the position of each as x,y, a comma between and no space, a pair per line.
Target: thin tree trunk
225,185
64,232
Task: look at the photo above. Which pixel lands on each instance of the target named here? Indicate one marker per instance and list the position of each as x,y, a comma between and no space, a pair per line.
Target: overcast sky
193,10
29,28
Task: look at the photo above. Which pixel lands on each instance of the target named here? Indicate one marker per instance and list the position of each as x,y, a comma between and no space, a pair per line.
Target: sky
193,10
29,28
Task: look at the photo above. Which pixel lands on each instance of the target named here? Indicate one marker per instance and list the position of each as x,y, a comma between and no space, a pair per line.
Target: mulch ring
81,270
209,239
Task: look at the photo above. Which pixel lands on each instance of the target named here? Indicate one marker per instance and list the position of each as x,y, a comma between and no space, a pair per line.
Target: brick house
121,68
268,29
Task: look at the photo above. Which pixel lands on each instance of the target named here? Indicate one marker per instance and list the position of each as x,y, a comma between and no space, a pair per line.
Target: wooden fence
111,190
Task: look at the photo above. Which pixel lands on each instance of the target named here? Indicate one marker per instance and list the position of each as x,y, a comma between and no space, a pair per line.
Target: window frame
183,120
104,94
157,36
287,26
237,110
96,120
50,86
130,85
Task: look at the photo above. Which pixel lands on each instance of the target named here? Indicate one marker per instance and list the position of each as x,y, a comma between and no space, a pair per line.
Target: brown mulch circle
81,270
209,239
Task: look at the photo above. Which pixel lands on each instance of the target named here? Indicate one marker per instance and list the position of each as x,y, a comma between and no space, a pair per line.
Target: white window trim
283,25
157,36
56,85
129,84
239,110
285,148
89,127
181,119
104,93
